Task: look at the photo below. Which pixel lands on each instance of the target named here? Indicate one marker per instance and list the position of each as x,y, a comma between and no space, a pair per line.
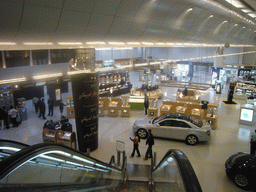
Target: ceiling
58,24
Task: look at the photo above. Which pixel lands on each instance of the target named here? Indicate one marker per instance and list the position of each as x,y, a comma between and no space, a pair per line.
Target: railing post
154,162
118,158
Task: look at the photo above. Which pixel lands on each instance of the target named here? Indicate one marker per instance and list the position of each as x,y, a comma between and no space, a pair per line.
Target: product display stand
247,114
165,109
211,117
70,107
101,109
152,108
125,109
113,109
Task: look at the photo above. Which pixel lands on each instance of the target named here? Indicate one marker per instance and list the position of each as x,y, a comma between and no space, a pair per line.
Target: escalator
54,167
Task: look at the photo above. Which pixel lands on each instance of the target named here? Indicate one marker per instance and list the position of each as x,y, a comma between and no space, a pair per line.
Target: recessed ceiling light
70,43
7,43
160,43
147,43
99,43
133,43
116,43
246,10
37,43
211,15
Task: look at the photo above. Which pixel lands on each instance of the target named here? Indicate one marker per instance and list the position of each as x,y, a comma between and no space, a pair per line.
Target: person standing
253,143
6,118
146,103
13,113
50,105
150,142
135,144
41,105
35,101
2,118
61,105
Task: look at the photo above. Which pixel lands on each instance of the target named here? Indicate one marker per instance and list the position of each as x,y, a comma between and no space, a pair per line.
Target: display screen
246,114
112,111
71,112
151,113
125,111
99,111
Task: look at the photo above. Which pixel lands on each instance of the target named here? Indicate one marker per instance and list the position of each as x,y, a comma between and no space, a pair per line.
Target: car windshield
196,121
157,119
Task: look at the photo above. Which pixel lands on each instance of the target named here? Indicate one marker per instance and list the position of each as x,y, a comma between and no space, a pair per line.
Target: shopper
50,106
150,142
253,143
146,103
6,118
13,114
135,144
35,103
61,105
41,105
2,117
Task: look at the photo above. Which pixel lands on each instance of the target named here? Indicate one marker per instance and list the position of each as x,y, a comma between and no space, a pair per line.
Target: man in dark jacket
6,118
146,103
41,105
150,142
50,105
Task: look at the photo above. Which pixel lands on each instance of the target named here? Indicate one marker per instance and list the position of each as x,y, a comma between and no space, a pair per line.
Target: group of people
13,114
40,106
150,142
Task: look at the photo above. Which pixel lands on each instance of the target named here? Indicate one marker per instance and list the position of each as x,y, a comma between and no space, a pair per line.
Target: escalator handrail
15,160
189,177
15,144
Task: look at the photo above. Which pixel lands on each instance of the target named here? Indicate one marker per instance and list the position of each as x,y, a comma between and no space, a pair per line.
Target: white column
218,61
30,58
3,60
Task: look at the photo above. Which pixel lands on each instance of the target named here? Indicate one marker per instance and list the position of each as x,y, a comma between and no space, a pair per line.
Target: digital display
125,111
246,114
112,111
99,111
71,112
151,113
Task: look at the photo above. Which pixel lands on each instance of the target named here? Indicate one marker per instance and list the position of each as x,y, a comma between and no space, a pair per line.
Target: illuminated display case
101,108
181,109
197,113
152,107
113,109
125,109
211,117
165,109
191,96
136,102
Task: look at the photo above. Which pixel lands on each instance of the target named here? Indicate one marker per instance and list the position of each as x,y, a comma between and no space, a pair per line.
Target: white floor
207,159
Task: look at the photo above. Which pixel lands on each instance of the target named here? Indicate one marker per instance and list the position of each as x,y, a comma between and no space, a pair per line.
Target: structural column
86,100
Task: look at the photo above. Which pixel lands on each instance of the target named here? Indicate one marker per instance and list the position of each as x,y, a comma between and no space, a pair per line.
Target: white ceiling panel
106,7
120,26
39,20
10,14
99,26
73,23
129,8
85,5
51,3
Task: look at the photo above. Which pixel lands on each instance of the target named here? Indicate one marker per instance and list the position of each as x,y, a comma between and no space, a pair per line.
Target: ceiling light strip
48,76
7,43
38,43
13,80
70,43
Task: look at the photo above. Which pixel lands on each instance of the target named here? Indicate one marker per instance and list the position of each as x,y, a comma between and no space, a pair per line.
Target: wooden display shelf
125,112
214,120
101,111
112,111
70,112
66,138
153,112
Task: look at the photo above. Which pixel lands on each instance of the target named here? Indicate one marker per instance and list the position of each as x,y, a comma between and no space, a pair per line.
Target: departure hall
127,95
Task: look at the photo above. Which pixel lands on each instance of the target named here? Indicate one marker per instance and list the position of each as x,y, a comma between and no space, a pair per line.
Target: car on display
174,126
241,168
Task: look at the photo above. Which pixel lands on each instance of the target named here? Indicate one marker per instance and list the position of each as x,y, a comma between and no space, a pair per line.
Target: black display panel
62,55
17,58
86,100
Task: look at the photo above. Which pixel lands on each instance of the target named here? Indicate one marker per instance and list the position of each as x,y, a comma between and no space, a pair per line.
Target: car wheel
142,133
191,140
241,181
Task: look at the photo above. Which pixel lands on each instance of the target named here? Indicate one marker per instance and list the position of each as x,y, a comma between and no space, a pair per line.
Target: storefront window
40,57
17,58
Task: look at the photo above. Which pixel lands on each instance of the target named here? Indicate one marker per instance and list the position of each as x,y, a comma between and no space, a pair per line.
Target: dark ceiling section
174,21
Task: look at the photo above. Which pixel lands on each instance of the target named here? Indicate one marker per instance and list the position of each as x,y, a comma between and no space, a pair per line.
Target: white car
174,126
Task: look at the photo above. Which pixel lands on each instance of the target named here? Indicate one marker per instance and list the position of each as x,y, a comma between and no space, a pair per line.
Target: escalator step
136,186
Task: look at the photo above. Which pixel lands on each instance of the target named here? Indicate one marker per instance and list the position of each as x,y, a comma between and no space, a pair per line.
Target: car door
164,130
180,129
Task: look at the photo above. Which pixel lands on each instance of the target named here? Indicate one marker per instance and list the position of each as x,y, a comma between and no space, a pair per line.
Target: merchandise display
197,113
113,109
165,109
188,95
181,109
101,109
125,109
243,91
136,102
153,107
151,91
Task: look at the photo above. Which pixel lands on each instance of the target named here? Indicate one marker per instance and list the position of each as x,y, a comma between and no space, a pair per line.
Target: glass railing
174,173
53,167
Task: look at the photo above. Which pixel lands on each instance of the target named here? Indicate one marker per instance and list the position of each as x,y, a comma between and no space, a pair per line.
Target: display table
165,109
101,109
181,109
125,112
197,113
190,96
113,109
153,112
70,112
214,120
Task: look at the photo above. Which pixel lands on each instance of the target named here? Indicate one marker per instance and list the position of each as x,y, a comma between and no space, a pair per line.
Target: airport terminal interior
103,61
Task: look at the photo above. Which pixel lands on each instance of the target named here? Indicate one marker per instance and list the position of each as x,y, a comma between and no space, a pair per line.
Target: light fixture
7,43
133,43
38,43
47,76
147,43
13,80
70,43
160,43
116,43
94,43
211,15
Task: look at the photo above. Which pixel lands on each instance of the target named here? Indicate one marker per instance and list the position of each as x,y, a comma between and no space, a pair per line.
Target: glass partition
47,168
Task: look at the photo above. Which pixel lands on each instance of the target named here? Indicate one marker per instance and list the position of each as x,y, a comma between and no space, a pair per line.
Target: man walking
50,105
146,103
13,113
150,142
